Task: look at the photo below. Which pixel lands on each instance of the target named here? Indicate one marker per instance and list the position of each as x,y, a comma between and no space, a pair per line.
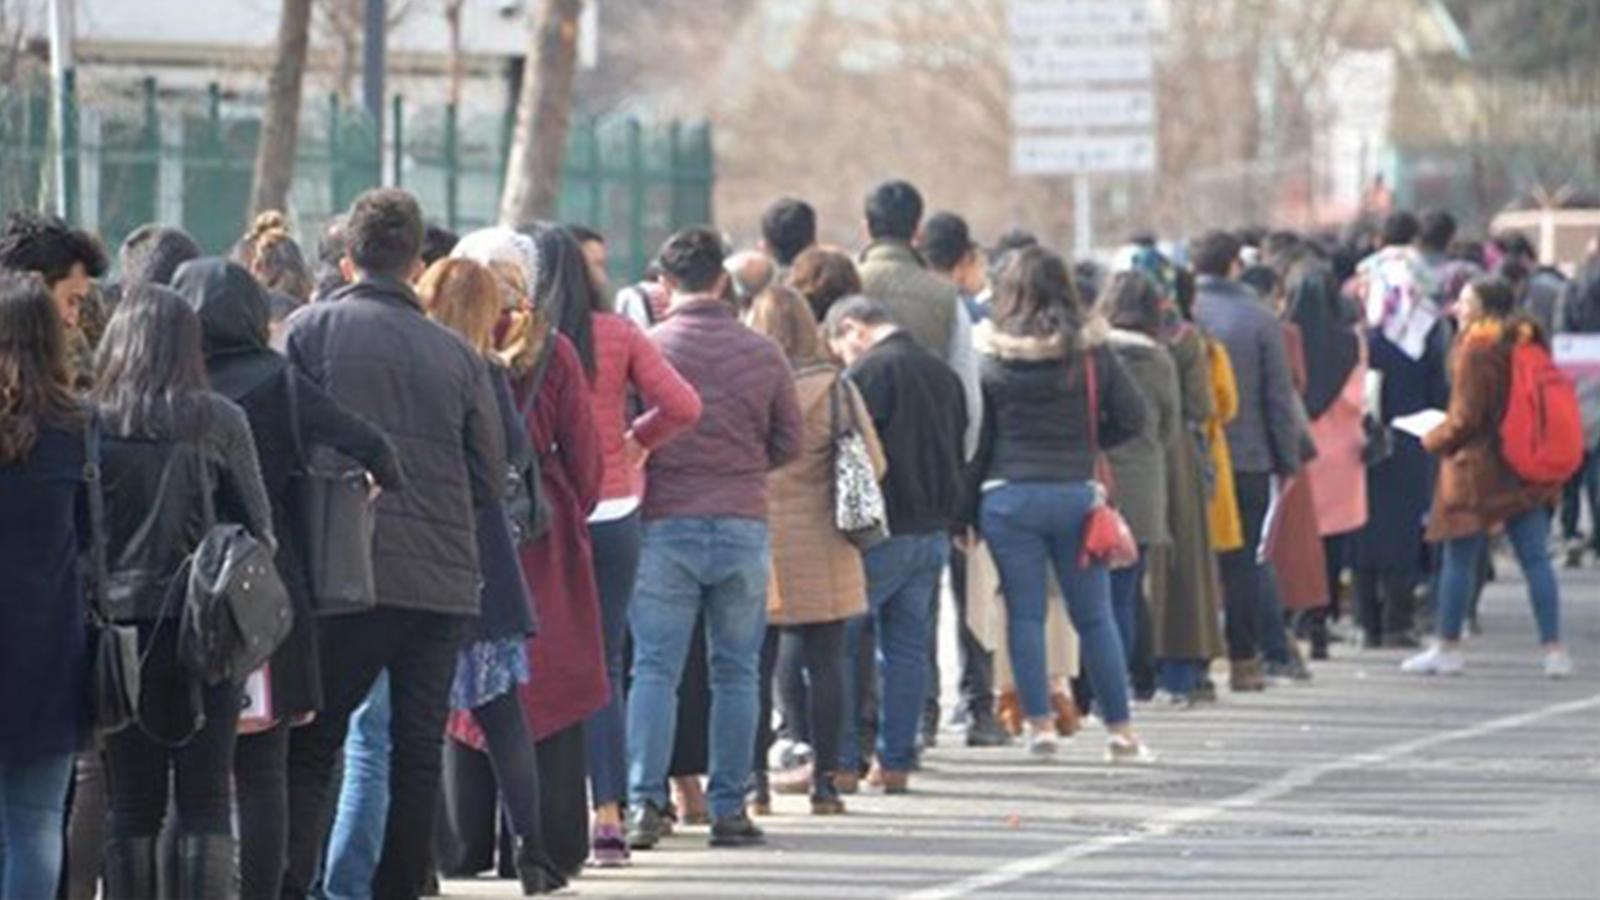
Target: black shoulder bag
526,504
114,679
328,505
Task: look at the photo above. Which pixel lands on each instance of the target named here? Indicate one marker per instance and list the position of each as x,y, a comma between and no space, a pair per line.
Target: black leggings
820,648
261,784
473,781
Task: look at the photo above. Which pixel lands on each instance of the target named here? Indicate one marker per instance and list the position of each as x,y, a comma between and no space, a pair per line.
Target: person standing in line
705,546
916,406
788,229
947,245
44,650
627,365
1408,344
1580,314
1032,487
818,583
1131,309
824,276
1478,491
234,316
1263,439
168,443
373,349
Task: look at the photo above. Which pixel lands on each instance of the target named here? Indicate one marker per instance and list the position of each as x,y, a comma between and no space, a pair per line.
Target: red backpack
1541,435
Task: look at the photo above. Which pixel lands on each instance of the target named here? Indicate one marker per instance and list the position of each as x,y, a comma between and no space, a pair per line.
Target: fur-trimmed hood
991,341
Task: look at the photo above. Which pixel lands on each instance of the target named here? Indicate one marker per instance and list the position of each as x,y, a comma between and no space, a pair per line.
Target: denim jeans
357,837
1030,526
1126,595
902,585
1179,677
689,566
1529,535
1585,484
33,808
616,563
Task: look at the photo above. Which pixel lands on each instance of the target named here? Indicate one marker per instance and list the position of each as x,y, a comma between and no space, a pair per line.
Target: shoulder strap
541,366
1092,393
92,473
296,440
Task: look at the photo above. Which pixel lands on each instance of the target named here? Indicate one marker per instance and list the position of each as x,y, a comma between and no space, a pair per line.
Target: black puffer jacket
371,347
233,311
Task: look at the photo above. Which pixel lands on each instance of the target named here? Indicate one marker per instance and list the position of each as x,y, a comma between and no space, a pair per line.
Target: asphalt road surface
1364,784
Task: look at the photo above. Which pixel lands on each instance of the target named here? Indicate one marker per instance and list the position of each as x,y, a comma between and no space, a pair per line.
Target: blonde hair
274,258
782,314
464,297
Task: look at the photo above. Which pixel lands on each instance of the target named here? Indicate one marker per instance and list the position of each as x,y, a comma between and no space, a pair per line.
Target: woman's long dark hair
1034,296
151,379
35,382
565,292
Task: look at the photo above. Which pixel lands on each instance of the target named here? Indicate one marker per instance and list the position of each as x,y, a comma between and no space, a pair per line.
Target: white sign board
1082,87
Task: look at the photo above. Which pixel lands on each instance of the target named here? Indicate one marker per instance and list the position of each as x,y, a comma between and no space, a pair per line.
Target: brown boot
1244,675
1008,710
890,781
1068,720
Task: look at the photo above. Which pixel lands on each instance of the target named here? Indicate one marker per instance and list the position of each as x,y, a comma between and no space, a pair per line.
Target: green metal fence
142,153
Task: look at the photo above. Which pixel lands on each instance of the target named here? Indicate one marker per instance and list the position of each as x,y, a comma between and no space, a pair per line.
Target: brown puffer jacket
817,575
1477,490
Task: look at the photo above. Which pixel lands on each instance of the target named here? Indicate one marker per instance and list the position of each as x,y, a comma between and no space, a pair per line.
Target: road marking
1293,780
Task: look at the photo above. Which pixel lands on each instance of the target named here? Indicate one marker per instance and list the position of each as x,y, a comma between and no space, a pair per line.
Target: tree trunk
458,66
280,123
533,171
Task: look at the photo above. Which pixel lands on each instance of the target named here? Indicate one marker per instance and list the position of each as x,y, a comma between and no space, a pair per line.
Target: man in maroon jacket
705,541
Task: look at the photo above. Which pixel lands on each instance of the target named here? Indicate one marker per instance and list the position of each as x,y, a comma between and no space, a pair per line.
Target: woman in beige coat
817,578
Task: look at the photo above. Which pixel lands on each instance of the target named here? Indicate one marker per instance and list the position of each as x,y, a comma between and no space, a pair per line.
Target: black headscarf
1327,324
234,317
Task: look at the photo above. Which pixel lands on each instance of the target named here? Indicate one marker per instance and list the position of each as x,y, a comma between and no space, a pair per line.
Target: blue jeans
1030,526
902,586
1126,595
1179,677
616,562
1529,535
33,806
356,841
690,566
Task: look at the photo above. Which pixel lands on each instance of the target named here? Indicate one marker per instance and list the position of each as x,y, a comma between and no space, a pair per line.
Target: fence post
636,196
399,140
675,181
333,150
452,168
69,145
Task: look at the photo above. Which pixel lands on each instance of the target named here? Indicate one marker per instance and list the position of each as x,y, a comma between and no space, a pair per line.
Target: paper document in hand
1419,424
1578,355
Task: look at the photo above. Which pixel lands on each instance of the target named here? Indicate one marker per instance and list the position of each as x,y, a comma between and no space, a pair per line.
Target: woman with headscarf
1335,400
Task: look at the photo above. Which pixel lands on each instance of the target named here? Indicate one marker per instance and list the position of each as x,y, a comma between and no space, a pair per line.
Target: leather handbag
860,513
526,503
330,507
114,674
1107,539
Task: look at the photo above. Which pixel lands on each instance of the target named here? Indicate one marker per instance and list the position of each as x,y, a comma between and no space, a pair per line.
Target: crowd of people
573,569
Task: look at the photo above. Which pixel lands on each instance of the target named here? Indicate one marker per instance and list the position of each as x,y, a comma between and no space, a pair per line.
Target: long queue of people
425,556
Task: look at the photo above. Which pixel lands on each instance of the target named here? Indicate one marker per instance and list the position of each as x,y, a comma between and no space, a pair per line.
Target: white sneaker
1435,660
1126,751
1557,664
1041,744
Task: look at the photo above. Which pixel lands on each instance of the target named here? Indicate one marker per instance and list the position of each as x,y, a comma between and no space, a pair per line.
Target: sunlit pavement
1364,784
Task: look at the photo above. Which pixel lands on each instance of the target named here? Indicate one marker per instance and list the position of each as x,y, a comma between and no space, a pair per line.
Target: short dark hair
35,242
1131,300
1515,243
788,226
1215,253
1015,239
153,253
946,241
1438,230
693,258
437,242
586,235
383,232
894,209
1400,229
1495,294
855,308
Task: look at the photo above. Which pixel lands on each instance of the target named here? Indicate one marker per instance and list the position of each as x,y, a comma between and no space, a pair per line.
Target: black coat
370,346
234,314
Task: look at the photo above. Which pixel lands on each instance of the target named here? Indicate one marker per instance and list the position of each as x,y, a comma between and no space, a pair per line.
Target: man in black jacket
374,350
918,409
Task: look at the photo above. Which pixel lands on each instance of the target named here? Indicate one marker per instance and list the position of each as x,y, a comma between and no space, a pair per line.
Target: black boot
206,867
537,874
130,867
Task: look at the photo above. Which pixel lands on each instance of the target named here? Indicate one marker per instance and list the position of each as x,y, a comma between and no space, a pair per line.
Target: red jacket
625,358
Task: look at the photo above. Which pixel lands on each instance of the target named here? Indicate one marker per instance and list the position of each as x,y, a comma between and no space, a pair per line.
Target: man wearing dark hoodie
287,412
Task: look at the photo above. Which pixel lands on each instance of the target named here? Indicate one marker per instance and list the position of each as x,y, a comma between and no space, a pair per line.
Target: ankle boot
1068,721
206,867
1008,710
537,874
130,868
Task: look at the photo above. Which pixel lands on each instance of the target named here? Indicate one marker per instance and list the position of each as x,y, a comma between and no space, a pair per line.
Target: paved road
1362,785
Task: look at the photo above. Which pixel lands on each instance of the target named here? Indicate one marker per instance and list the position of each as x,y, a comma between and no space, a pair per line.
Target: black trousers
1241,572
86,828
261,785
475,783
419,650
817,651
143,774
1387,598
564,798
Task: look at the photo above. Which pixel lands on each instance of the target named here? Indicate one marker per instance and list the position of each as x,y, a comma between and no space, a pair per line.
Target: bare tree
280,123
533,171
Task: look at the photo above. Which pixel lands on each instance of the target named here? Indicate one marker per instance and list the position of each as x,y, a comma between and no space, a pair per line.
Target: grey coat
1266,435
1141,464
371,347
